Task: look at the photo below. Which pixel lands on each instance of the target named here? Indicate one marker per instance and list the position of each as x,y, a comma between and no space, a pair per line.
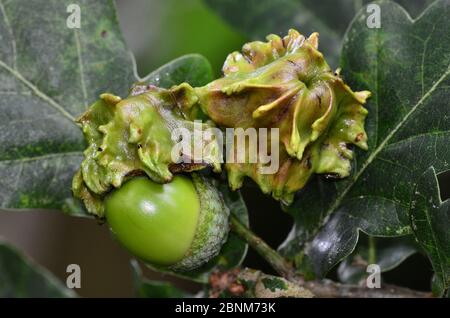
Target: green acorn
178,225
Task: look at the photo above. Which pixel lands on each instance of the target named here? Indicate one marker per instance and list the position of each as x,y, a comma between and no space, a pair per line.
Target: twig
320,288
329,289
278,262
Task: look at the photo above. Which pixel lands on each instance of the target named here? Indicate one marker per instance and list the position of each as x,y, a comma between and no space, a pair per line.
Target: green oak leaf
145,288
21,277
233,251
257,18
191,68
49,74
430,219
406,65
387,253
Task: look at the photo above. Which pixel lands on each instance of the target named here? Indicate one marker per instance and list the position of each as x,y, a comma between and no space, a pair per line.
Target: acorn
178,225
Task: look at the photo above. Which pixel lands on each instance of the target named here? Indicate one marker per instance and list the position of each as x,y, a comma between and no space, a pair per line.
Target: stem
278,262
321,288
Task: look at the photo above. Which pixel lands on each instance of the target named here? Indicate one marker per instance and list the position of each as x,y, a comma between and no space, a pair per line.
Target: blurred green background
159,31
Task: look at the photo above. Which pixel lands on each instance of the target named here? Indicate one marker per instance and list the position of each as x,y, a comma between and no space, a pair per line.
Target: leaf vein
9,29
38,92
81,67
422,65
43,157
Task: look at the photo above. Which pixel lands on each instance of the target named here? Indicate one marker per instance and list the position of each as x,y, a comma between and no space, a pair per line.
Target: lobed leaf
386,253
406,65
430,219
50,73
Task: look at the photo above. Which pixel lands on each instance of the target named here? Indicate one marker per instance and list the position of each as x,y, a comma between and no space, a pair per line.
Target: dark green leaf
20,277
49,74
430,218
145,288
233,251
258,18
387,253
405,64
414,8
